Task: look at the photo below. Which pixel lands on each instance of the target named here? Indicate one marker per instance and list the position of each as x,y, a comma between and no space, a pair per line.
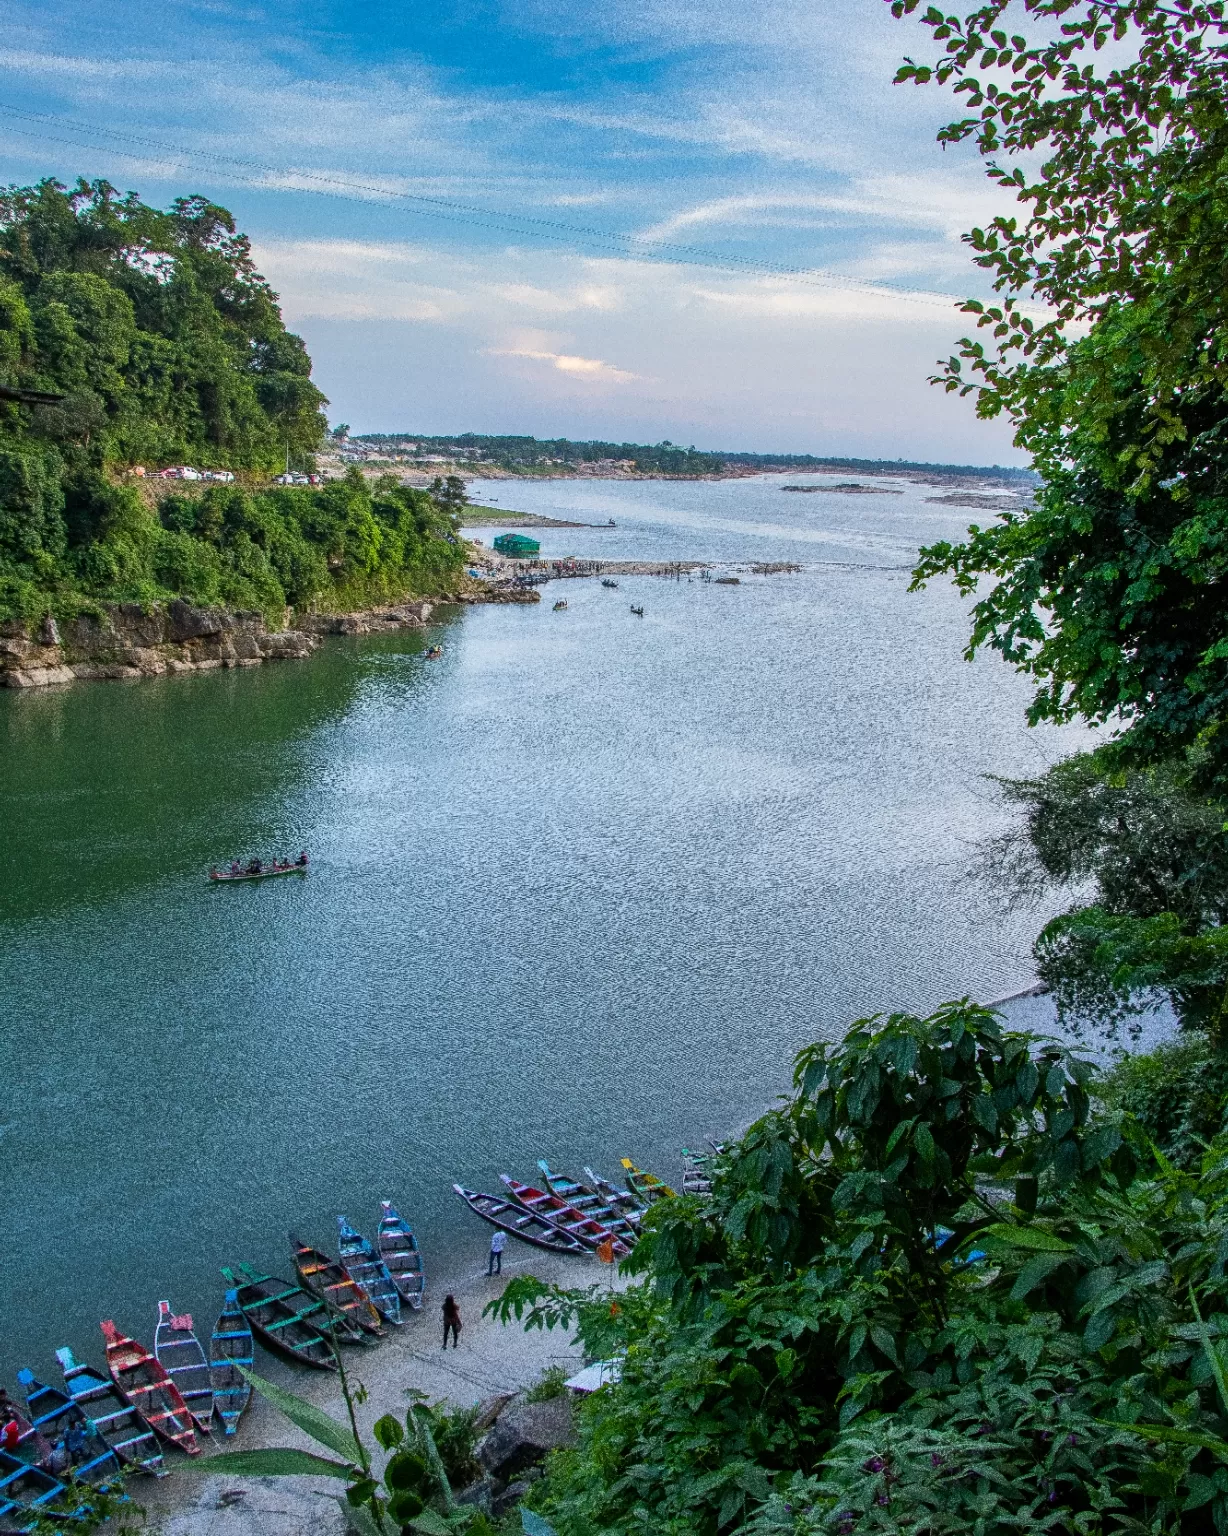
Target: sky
554,217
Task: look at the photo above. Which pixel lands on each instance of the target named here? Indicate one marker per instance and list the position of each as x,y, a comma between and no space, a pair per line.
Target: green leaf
1167,1434
431,1523
363,1521
388,1431
1025,1237
1034,1272
533,1525
307,1417
280,1461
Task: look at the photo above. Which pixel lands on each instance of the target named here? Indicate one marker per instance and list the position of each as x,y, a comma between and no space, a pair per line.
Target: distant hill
529,455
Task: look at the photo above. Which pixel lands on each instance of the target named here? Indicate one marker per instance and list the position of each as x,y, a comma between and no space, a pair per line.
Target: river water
578,890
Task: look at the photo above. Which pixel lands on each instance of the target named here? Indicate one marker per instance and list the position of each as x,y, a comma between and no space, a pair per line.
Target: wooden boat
265,872
149,1388
230,1346
334,1287
727,581
606,582
434,652
519,1222
64,1424
646,1185
285,1317
26,1493
623,1199
117,1421
620,1221
561,1214
31,1445
398,1247
368,1271
178,1349
695,1178
638,612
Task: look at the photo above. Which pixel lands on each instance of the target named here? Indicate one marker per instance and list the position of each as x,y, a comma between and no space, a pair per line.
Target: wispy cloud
565,362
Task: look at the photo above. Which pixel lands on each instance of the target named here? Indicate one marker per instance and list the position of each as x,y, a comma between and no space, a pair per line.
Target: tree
1109,591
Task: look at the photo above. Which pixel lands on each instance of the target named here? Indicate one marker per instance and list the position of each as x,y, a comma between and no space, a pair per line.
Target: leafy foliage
941,1287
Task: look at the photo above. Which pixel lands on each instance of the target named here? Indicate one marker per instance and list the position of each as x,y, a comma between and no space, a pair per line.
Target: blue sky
547,131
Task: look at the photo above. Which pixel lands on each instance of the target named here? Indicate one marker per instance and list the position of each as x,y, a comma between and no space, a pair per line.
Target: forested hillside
135,336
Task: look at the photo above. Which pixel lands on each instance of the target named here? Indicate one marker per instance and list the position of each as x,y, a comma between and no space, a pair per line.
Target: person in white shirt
497,1244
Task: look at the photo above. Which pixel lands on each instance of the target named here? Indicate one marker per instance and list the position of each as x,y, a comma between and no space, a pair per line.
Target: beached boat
695,1177
149,1388
30,1445
230,1346
265,872
368,1271
26,1492
73,1438
619,1220
284,1316
334,1287
644,1184
115,1419
178,1349
398,1247
557,1211
625,1200
519,1222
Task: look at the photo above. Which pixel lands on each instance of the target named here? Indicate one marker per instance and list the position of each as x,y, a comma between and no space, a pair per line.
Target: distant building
516,547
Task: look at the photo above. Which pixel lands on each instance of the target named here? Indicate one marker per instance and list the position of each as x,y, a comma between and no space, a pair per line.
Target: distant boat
336,1289
26,1489
434,652
284,1316
639,612
727,581
606,582
368,1271
149,1388
115,1419
31,1445
560,605
398,1247
230,1346
695,1177
646,1185
624,1199
618,1219
557,1211
511,1217
264,872
58,1416
178,1349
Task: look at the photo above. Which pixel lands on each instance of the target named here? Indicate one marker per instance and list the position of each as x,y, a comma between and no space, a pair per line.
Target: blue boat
26,1491
368,1271
115,1419
64,1423
230,1347
398,1247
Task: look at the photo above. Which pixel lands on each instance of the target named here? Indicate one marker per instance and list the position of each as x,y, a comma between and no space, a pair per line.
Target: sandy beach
491,1359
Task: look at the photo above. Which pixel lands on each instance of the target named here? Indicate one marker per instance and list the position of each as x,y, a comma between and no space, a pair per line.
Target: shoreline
492,1360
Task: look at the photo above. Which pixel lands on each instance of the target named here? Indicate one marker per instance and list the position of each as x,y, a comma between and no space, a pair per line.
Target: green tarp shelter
517,547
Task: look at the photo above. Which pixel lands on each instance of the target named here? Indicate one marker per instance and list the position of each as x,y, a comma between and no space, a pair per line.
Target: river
578,890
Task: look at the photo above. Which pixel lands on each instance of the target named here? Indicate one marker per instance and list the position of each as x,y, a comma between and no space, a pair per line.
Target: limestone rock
523,1434
49,632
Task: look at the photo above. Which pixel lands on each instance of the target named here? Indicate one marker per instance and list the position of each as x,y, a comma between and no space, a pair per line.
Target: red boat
148,1387
566,1217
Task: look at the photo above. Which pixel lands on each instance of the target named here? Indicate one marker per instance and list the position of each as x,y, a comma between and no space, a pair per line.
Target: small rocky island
845,488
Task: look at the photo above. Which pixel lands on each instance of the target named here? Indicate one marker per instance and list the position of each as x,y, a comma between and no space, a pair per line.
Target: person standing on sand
451,1321
497,1244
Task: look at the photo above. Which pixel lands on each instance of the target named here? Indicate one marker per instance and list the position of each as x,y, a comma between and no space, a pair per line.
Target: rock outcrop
523,1435
126,640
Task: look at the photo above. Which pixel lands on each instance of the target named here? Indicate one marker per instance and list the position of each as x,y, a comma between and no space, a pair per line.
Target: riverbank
492,1361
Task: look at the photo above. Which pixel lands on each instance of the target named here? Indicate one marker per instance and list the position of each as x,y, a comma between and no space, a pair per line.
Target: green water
578,890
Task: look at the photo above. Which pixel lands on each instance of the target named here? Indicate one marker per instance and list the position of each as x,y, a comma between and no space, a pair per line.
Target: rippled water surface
578,890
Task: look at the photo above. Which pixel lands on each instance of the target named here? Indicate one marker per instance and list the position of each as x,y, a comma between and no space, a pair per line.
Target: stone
480,1495
523,1435
489,1409
49,632
190,623
259,1506
508,1497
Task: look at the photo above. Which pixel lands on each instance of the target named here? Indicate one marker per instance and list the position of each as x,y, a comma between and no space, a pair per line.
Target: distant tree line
663,458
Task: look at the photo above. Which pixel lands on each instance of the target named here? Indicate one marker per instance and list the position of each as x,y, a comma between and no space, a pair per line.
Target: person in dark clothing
451,1321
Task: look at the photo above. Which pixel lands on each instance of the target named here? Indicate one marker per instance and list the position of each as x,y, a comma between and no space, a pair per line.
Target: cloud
577,367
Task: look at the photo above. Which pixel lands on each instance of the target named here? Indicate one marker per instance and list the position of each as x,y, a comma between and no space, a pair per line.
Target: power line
659,251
